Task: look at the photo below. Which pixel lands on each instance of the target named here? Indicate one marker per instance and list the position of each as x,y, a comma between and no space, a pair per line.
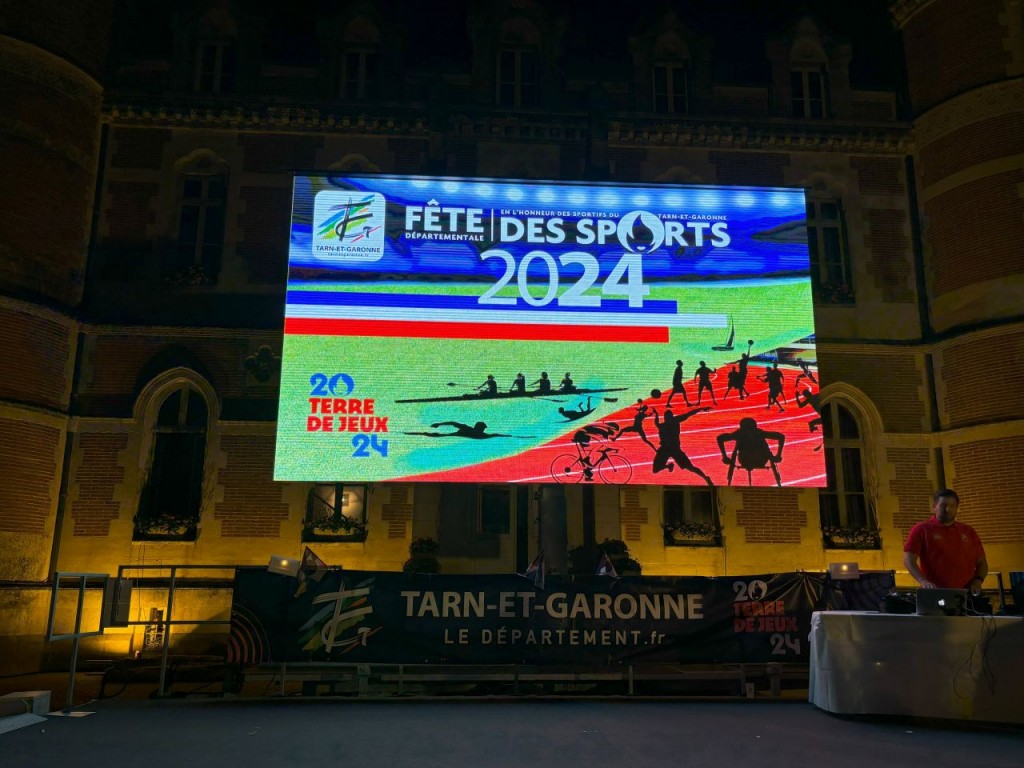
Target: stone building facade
148,161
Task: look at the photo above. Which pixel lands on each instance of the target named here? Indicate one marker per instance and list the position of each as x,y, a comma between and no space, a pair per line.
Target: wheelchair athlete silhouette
751,450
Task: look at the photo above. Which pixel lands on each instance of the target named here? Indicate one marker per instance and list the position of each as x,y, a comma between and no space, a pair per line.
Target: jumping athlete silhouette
668,433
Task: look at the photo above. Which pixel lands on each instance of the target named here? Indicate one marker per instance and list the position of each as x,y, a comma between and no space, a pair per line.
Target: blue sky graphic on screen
486,330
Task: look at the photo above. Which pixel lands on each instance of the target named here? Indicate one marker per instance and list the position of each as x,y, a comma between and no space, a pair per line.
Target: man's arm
910,561
980,572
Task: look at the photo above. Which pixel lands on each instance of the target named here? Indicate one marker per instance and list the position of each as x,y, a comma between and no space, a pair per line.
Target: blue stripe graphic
466,303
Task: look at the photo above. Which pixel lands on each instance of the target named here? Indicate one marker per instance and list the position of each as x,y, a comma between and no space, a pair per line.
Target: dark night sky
596,36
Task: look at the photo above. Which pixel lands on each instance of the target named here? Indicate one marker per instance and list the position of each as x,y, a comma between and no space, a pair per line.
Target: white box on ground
38,702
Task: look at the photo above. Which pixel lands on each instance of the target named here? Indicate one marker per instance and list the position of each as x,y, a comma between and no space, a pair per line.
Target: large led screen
486,330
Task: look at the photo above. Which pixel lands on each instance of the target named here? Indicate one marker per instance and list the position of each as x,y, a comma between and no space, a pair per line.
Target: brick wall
96,477
633,514
69,122
758,168
878,175
953,46
38,353
138,147
912,486
976,231
889,263
991,485
410,154
251,505
983,380
770,516
572,160
264,244
397,510
42,252
128,213
462,157
977,143
116,362
625,162
891,381
277,153
28,466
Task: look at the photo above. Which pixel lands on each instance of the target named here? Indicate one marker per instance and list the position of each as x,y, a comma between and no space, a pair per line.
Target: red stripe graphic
417,329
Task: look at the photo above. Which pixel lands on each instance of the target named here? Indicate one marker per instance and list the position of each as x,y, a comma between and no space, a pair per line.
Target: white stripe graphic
534,317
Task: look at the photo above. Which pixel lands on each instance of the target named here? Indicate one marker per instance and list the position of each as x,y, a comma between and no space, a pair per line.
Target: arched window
847,512
171,499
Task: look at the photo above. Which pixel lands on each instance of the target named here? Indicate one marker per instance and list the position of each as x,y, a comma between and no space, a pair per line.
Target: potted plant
336,526
692,533
423,557
838,537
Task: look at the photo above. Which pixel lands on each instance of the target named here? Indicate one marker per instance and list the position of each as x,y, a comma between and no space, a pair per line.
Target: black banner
364,616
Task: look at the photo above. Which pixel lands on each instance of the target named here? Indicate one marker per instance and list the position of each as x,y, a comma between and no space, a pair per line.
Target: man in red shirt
940,552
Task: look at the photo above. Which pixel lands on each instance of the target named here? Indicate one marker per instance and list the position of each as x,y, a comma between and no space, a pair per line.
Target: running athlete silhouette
642,412
677,385
703,373
773,377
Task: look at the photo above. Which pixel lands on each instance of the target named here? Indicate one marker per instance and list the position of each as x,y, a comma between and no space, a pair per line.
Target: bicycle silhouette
609,466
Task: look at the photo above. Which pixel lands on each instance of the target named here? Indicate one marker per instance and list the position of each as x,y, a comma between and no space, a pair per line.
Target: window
171,500
690,517
197,256
215,67
831,275
809,90
517,78
847,518
494,509
335,511
670,88
358,79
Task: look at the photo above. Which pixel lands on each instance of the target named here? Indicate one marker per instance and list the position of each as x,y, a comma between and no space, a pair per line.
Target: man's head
944,506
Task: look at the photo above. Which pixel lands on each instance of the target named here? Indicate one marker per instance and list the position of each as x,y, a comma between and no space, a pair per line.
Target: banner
362,616
504,331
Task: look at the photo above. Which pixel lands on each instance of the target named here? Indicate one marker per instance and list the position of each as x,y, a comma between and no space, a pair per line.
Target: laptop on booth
941,602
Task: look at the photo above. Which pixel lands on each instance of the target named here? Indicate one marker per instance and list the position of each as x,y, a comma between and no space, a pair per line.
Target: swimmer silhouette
475,432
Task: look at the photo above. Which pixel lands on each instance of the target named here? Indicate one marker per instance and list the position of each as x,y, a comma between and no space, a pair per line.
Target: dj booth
956,667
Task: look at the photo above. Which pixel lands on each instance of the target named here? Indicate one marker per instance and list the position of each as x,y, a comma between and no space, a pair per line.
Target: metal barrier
77,634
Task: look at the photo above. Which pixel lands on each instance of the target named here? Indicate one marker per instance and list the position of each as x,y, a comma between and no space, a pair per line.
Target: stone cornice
763,135
759,134
261,117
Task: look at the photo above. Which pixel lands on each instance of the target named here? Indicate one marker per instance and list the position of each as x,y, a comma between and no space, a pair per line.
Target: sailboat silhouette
727,347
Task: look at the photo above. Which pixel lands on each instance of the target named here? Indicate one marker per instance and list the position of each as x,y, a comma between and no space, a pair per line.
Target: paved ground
194,733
